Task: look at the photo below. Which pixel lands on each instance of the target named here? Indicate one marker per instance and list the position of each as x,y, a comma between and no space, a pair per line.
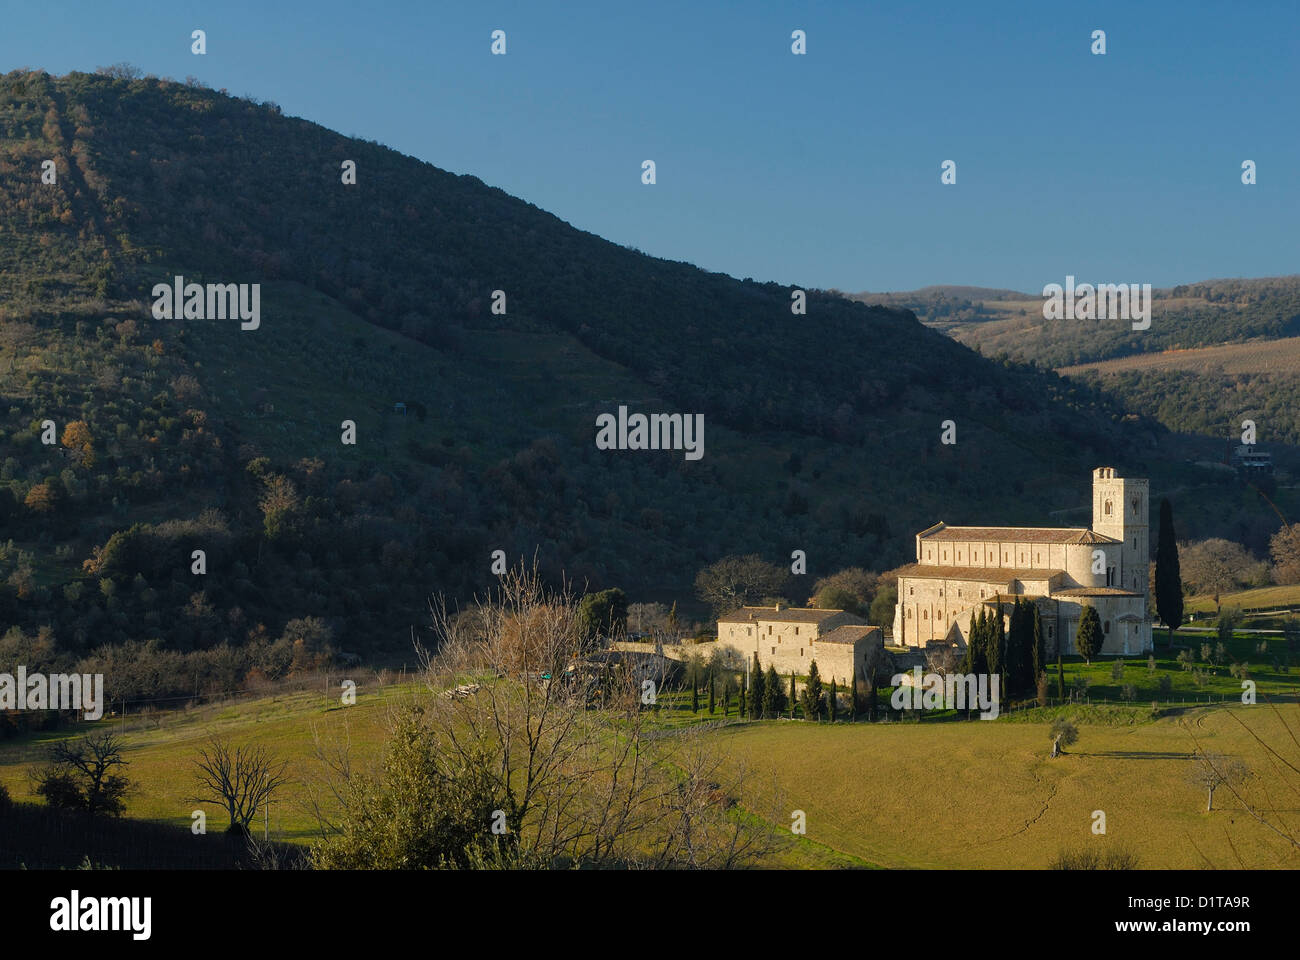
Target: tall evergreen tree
968,661
1088,638
853,699
998,649
695,699
1016,650
979,650
757,701
711,686
812,694
1036,639
741,712
1169,580
1060,673
773,698
793,699
831,704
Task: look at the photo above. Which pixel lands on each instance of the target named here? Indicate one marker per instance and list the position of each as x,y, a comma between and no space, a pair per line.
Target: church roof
943,532
930,571
1094,592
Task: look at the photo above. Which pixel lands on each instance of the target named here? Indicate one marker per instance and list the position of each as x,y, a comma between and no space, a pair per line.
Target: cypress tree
757,700
1011,652
995,643
773,698
695,699
831,703
1088,638
1036,642
968,661
711,685
853,699
1060,674
793,698
1169,581
741,711
812,694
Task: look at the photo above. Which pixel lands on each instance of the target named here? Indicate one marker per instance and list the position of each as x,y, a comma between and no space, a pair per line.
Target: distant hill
1211,312
822,431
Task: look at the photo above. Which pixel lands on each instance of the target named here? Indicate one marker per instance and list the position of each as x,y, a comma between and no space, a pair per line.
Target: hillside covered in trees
822,431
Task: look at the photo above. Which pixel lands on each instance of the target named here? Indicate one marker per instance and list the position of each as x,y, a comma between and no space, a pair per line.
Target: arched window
1109,509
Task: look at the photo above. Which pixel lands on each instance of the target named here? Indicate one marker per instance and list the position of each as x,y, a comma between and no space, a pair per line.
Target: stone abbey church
1062,569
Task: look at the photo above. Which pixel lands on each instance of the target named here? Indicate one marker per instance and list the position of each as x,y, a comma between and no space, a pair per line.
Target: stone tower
1120,510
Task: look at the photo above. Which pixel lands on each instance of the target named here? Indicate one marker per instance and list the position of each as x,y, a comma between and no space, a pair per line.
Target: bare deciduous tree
557,733
237,778
1213,770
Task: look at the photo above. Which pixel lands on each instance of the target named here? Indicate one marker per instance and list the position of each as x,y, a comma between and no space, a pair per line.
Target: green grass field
1280,596
935,793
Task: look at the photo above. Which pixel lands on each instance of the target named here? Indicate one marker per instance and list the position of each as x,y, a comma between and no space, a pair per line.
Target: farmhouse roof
783,615
942,533
850,633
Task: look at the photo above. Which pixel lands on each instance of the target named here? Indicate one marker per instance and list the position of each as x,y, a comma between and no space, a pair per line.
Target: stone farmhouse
958,570
791,638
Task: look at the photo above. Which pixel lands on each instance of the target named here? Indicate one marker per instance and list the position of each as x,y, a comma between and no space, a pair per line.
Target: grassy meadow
936,792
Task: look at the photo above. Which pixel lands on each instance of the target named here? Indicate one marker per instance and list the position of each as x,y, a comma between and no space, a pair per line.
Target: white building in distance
958,570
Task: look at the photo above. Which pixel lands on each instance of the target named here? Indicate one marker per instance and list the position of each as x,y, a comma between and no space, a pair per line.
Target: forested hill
822,431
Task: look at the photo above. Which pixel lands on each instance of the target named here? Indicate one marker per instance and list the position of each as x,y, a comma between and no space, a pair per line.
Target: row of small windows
1006,557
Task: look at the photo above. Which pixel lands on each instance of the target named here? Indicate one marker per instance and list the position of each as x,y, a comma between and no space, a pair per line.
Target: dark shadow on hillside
40,838
1136,755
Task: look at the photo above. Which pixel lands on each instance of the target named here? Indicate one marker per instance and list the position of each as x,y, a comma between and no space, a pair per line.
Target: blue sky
820,170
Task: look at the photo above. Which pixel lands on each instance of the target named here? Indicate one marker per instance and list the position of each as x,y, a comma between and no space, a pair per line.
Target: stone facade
791,638
958,570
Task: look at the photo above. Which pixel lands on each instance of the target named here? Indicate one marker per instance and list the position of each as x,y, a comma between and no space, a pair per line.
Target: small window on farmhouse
909,614
774,651
929,554
1040,559
945,555
981,594
958,593
1108,509
796,631
941,591
911,590
925,614
801,651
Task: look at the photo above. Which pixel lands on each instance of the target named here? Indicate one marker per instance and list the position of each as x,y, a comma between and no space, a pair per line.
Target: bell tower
1120,509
